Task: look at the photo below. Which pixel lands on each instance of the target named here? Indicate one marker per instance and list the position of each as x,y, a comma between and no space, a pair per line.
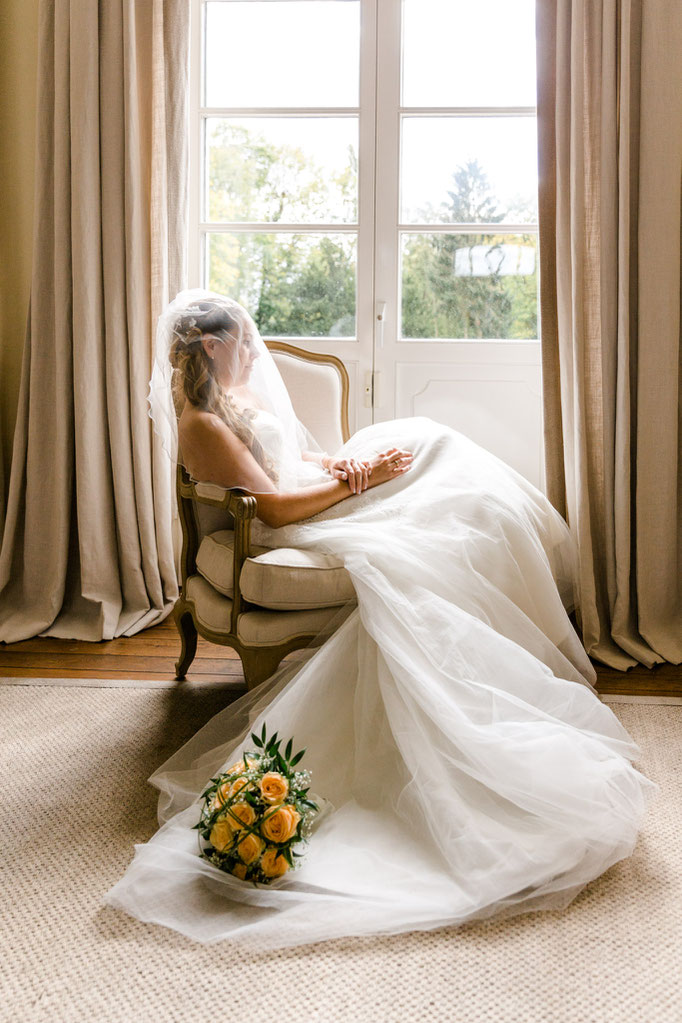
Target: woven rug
75,800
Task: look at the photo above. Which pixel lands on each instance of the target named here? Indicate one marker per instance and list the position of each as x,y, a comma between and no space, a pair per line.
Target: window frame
363,229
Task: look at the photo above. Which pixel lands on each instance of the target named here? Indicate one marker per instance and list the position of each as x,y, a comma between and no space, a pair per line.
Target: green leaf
256,740
297,758
287,753
262,734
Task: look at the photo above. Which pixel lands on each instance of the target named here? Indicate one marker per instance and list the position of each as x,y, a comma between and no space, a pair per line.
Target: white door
386,148
456,281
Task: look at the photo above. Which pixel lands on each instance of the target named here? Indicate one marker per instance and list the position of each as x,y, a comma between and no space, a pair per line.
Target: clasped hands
364,473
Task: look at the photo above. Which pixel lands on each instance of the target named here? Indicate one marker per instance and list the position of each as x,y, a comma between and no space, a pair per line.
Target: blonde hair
194,380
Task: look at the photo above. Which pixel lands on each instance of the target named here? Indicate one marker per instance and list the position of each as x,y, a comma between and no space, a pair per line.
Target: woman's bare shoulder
195,423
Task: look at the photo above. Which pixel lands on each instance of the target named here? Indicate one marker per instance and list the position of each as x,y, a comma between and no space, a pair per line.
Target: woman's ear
208,344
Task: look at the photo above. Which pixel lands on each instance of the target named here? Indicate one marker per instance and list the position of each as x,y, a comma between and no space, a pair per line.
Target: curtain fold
88,549
610,161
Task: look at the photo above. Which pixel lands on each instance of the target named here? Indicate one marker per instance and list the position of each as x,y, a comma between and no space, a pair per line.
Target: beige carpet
74,800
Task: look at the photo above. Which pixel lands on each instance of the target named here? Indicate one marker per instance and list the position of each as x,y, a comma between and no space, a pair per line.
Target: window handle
380,316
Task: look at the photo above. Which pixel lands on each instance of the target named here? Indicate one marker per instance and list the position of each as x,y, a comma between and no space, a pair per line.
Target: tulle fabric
450,720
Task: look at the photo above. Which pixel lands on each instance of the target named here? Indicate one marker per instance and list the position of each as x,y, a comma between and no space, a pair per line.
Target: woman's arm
219,456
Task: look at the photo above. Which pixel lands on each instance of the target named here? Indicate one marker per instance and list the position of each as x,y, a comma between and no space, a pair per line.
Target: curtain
87,551
610,157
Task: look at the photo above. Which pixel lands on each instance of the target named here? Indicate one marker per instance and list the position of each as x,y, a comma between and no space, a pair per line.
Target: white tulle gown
450,721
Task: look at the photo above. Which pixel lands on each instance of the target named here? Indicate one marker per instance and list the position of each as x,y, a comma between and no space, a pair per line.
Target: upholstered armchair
262,603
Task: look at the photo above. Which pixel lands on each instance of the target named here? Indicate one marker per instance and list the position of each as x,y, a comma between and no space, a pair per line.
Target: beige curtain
610,129
88,549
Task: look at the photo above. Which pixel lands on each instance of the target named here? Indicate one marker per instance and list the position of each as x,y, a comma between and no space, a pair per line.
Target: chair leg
188,637
258,665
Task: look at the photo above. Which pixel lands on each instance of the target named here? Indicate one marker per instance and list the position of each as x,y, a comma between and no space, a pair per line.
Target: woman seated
214,352
450,720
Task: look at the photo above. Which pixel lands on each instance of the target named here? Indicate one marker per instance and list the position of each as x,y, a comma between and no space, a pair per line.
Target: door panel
498,404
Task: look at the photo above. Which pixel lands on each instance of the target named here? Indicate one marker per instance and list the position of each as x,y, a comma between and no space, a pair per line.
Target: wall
18,65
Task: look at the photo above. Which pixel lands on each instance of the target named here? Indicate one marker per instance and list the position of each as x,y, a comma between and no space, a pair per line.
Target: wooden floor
152,654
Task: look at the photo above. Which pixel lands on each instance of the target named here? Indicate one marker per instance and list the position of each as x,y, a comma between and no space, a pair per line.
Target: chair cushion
282,579
254,628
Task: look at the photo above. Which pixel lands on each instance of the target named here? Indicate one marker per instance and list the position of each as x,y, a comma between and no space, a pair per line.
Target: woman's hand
355,471
388,464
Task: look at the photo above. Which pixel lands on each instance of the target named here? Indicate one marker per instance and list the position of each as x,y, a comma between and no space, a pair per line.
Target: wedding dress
469,767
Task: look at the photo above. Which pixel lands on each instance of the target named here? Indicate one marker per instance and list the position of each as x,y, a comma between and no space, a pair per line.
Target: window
279,151
365,179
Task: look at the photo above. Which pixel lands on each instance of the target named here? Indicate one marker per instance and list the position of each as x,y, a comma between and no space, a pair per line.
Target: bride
465,763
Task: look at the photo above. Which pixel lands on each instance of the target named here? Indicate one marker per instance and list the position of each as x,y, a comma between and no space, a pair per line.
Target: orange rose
250,848
221,835
238,785
274,787
239,870
245,816
222,794
273,863
281,825
237,768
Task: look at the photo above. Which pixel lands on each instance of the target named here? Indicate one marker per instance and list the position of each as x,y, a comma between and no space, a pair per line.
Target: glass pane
469,286
457,53
295,53
469,170
291,169
294,285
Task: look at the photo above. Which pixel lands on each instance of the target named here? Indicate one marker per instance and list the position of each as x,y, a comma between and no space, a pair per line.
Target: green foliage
304,285
439,298
293,284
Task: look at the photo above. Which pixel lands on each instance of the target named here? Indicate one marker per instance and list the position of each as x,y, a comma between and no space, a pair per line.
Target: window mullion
387,186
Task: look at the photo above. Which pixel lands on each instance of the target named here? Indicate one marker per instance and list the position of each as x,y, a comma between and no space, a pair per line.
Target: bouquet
257,812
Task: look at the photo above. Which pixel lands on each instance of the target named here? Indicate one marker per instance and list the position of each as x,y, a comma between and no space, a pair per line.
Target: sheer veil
239,382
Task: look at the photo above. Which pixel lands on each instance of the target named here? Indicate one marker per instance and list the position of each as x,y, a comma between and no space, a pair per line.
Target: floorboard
151,655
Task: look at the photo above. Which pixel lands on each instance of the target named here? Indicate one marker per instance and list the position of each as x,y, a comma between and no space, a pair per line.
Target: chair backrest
319,389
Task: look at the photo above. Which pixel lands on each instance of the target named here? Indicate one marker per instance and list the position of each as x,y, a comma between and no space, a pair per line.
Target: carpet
74,763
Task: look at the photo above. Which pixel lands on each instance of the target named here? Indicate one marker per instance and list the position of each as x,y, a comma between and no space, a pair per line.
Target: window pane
469,286
294,285
291,169
469,170
294,53
457,53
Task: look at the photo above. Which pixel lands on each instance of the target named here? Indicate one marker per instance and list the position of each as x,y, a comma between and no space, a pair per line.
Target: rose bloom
281,825
237,768
250,848
221,835
239,870
222,794
273,863
274,787
245,814
238,785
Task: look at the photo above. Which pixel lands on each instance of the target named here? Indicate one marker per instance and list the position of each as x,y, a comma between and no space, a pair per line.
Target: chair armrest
241,506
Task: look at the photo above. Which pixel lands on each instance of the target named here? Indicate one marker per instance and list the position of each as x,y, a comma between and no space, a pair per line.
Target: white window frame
379,362
356,352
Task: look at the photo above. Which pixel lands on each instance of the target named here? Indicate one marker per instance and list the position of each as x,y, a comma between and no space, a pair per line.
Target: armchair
262,603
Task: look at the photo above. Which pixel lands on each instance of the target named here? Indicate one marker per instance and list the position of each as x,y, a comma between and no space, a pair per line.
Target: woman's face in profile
247,356
232,357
